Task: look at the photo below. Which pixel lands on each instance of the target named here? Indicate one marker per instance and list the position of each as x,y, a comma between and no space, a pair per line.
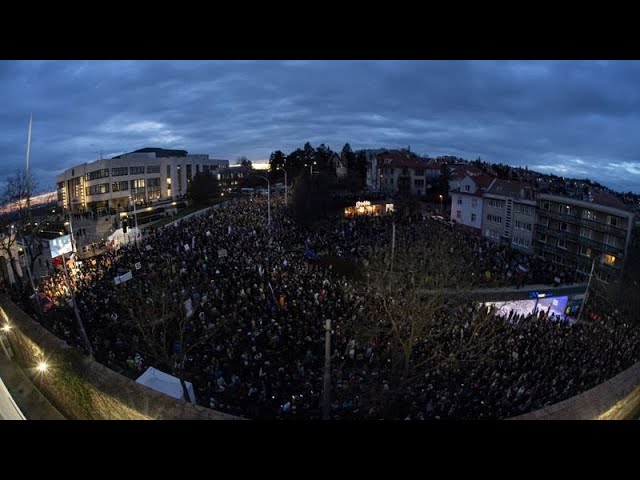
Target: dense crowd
253,344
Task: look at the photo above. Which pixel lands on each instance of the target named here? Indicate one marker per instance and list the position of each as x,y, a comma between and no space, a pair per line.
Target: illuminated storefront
368,208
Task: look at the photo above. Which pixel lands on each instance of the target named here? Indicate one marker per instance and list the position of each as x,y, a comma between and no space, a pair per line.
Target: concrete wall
615,399
82,389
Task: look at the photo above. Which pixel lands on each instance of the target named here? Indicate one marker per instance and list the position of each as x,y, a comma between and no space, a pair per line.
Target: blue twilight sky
571,118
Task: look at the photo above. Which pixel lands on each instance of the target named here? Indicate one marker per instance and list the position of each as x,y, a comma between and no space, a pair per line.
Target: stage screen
60,245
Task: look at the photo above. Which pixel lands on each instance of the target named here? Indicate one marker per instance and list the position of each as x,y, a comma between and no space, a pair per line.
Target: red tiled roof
608,200
512,188
400,160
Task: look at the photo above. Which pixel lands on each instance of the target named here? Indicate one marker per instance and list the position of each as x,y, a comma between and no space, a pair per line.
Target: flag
309,253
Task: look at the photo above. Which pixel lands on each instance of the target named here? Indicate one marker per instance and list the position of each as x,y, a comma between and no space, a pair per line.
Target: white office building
147,175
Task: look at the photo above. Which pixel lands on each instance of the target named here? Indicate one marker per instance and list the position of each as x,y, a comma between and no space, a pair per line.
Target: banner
60,246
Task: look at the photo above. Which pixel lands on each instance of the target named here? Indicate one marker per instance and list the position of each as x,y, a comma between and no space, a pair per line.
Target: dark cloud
575,118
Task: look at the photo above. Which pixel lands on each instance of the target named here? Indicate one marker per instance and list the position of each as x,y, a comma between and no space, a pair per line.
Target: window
197,169
97,189
459,215
119,171
542,238
153,168
545,205
496,203
566,209
494,218
418,183
419,172
179,175
467,188
589,215
544,222
96,174
613,241
585,251
168,171
523,225
153,189
459,200
609,259
474,202
613,221
405,171
522,242
562,244
525,209
586,232
473,217
120,186
137,171
562,227
137,190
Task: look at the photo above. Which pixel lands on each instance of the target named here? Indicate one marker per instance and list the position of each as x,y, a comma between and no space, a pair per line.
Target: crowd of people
244,307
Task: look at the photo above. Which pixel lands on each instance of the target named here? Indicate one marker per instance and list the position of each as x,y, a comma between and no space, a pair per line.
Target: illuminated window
585,251
609,259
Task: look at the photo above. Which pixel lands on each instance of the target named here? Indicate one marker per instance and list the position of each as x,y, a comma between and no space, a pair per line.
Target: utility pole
393,243
326,391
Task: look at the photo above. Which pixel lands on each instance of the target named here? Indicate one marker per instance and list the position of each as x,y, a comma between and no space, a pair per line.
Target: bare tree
158,314
17,196
407,305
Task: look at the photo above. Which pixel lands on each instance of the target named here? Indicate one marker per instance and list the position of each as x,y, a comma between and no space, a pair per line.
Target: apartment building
594,231
509,213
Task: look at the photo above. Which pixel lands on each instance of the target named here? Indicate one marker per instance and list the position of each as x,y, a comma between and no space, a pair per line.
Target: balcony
620,231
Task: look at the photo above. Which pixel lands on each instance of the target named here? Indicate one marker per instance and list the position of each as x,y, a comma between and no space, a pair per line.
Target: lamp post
135,216
83,333
285,184
441,205
311,167
268,198
326,390
586,293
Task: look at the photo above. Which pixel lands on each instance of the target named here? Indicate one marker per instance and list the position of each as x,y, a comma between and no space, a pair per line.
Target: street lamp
441,205
311,167
135,216
268,198
285,183
586,293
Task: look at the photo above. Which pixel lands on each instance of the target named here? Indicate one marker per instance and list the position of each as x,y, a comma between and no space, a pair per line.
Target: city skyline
570,118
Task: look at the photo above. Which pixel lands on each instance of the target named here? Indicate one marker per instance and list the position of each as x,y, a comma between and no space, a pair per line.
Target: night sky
572,118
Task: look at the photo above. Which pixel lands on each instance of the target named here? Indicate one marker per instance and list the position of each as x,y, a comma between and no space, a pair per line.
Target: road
8,408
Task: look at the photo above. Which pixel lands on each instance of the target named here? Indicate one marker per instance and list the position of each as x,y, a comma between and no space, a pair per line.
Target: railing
585,222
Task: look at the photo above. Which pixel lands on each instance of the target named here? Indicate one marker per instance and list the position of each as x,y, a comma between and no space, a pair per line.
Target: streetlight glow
42,367
6,328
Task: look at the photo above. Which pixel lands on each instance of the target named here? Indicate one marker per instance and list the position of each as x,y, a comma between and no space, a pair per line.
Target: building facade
146,176
509,213
467,201
592,232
